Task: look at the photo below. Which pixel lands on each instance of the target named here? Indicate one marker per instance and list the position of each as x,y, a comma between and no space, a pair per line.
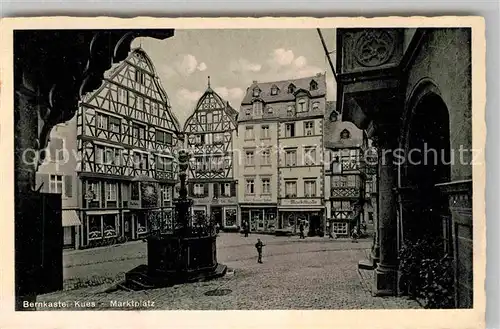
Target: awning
102,212
70,218
301,209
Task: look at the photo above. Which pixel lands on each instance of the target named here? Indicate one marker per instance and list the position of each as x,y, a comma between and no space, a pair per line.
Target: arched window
315,106
256,92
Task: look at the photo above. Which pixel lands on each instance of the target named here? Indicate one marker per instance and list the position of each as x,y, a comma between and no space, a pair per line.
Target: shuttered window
68,186
56,184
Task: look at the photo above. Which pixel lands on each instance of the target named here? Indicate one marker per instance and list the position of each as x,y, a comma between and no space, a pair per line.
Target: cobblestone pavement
108,262
310,274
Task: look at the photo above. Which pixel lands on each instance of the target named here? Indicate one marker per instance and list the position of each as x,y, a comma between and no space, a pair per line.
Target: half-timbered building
344,165
211,133
126,139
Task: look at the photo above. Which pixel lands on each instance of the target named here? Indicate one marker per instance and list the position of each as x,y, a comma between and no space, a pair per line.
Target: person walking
246,229
301,228
330,230
354,234
259,246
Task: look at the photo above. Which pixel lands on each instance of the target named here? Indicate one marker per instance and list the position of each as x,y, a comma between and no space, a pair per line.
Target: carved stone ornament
374,47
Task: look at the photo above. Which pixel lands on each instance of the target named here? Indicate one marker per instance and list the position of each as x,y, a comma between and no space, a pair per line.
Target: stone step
365,264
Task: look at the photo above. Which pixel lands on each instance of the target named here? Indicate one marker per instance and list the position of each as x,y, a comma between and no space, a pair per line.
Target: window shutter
191,189
233,188
216,189
205,189
68,185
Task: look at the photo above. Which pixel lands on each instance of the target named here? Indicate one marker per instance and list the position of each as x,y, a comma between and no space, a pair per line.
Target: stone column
375,254
386,271
25,159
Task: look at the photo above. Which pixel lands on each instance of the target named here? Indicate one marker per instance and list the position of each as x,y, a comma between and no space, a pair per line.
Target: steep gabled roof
283,95
222,104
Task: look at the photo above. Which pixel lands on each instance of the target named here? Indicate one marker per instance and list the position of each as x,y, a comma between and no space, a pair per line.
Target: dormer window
257,108
313,85
345,134
256,92
302,105
291,88
334,116
274,90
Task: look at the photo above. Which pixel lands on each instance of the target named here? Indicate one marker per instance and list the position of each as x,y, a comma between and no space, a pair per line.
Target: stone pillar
25,159
386,271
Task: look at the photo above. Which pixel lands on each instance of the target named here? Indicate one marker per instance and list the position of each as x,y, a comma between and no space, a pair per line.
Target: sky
234,59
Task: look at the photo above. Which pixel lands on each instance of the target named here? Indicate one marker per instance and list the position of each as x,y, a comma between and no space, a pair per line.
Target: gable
134,78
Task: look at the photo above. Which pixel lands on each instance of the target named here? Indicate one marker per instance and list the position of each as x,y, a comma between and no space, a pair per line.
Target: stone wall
445,60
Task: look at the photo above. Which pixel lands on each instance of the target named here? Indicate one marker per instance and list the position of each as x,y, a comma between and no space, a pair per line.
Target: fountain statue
186,253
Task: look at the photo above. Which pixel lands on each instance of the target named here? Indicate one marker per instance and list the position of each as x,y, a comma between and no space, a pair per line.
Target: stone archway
427,163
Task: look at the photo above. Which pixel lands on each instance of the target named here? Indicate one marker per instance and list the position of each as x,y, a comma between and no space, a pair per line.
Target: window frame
53,183
249,182
313,188
290,132
290,154
292,183
266,188
306,129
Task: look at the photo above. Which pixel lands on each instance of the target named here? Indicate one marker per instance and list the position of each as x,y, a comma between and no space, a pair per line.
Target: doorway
217,215
127,226
315,225
429,164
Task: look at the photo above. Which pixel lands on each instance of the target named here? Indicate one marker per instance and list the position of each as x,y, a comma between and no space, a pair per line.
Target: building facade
126,139
404,88
211,133
58,175
345,176
282,179
258,124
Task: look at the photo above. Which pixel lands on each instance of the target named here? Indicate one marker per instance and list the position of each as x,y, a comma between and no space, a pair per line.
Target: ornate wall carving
364,49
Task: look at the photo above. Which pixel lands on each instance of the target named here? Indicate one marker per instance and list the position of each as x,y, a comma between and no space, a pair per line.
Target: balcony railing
345,192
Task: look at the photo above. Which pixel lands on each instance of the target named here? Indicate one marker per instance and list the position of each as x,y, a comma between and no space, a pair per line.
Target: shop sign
223,201
301,202
261,198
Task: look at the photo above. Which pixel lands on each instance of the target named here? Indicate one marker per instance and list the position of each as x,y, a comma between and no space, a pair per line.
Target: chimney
254,82
319,74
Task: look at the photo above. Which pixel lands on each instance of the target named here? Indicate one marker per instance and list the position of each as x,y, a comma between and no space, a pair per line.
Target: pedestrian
354,234
301,228
246,229
259,246
330,230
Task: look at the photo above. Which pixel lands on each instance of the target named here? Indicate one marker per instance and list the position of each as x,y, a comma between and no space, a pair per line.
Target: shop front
309,212
71,226
101,227
261,218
